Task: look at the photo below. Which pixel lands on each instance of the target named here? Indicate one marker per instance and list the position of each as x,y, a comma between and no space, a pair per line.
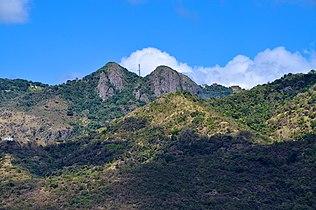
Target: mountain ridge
91,102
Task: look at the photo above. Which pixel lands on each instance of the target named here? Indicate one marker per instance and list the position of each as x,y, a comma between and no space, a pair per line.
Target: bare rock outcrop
103,88
165,80
113,79
116,76
110,79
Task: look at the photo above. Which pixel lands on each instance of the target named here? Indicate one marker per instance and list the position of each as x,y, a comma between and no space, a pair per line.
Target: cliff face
111,79
103,88
116,76
165,80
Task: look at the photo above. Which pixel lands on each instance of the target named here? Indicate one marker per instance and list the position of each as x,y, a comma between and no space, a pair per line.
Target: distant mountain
80,106
10,89
33,111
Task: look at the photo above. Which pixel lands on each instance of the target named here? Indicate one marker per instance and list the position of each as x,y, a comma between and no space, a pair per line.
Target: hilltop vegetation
10,89
256,106
215,91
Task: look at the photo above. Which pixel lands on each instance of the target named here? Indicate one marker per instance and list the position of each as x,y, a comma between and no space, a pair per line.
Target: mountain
49,114
114,140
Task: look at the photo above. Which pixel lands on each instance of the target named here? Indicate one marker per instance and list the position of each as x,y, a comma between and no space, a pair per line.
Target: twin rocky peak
114,79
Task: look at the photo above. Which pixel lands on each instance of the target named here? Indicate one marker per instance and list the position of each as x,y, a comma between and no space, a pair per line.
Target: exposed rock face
141,96
104,90
115,75
165,80
111,79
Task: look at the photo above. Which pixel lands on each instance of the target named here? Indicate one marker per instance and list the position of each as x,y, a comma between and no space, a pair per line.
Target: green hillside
297,117
10,89
172,153
254,149
215,91
256,106
75,108
151,129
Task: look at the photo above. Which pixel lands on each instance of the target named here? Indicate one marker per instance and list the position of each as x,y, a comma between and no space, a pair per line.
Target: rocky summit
165,80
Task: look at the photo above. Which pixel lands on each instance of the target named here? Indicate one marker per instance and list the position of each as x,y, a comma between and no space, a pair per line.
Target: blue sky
222,41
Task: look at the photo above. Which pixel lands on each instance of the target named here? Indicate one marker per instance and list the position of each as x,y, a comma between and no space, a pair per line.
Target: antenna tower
139,69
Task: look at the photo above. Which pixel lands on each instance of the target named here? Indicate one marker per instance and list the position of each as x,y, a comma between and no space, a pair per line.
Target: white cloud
149,59
13,11
265,67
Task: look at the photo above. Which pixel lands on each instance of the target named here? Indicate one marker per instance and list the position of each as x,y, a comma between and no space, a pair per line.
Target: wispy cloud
186,13
13,11
266,66
183,11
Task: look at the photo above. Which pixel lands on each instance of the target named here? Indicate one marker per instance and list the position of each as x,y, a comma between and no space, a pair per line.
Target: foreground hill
149,130
187,157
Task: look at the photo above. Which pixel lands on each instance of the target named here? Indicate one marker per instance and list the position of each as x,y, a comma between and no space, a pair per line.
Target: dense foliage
215,91
192,173
256,106
10,89
297,117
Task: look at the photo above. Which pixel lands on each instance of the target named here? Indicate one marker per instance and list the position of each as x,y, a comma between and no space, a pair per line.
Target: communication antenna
139,69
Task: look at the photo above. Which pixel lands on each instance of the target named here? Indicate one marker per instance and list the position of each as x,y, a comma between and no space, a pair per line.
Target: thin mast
139,69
